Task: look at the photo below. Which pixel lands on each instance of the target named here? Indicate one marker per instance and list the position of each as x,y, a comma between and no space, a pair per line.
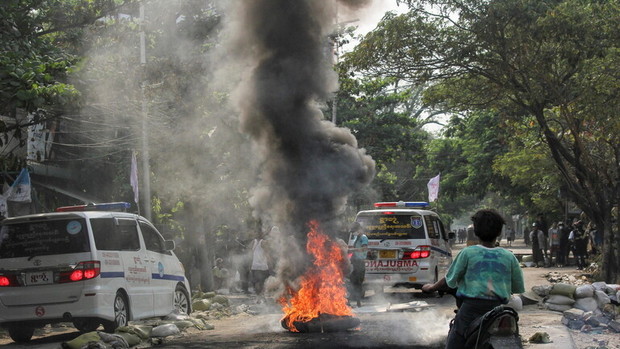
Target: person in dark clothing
542,224
536,251
526,237
580,241
562,256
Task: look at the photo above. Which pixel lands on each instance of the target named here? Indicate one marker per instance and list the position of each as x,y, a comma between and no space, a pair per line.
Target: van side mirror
169,245
451,235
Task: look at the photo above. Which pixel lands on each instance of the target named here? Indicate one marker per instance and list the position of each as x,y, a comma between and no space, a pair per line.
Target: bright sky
367,20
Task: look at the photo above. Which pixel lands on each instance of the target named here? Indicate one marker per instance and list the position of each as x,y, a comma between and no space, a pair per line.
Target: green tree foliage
551,61
34,56
385,118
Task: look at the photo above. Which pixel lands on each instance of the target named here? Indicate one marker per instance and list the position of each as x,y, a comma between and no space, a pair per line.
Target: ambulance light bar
110,206
417,204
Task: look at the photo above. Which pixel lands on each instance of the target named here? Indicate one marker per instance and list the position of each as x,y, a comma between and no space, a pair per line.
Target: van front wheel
181,300
21,334
121,313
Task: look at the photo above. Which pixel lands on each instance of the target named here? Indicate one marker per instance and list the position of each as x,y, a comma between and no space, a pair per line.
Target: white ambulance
408,245
87,265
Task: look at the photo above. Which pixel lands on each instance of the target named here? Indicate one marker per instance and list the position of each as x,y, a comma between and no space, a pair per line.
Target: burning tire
324,323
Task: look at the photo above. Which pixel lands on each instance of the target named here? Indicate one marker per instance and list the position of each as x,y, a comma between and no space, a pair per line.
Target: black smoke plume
308,165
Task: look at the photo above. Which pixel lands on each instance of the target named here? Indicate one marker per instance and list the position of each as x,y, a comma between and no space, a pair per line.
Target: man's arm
430,288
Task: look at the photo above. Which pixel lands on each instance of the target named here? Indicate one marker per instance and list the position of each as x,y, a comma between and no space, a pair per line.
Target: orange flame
322,288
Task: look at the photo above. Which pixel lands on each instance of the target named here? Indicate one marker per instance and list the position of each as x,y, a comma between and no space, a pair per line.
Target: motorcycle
498,328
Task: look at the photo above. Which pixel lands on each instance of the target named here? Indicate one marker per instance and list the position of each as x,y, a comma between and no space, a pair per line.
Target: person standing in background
554,244
543,246
563,252
536,253
580,240
359,250
510,236
259,268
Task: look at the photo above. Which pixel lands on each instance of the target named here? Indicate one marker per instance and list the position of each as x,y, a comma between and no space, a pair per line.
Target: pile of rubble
149,332
588,307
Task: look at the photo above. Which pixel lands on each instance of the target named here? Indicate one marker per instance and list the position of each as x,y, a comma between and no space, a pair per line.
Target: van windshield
393,226
43,238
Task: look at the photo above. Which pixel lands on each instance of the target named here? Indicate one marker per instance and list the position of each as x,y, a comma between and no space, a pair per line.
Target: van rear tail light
82,271
418,253
9,281
4,281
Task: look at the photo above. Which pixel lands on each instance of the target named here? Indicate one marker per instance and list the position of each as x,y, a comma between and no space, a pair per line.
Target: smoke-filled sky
308,166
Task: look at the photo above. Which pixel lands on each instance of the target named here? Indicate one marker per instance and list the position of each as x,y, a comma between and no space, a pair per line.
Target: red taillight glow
82,271
418,253
4,281
77,275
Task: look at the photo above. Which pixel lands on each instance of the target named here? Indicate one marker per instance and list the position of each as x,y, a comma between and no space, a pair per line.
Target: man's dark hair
487,224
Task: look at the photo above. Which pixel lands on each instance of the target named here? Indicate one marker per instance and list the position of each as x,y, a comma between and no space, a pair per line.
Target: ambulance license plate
387,254
40,278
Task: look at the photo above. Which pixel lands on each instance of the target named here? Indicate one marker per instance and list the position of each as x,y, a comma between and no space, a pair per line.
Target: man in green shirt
484,275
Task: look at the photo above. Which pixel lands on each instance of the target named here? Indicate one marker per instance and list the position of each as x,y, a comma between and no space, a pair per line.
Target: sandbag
599,285
142,331
542,290
558,307
560,300
601,298
564,290
586,304
112,340
130,338
220,299
201,305
82,340
165,330
584,291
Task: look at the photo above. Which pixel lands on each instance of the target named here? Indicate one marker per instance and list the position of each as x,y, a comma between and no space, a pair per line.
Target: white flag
20,189
133,177
433,188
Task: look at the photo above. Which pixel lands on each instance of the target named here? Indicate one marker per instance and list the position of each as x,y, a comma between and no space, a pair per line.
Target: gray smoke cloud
308,166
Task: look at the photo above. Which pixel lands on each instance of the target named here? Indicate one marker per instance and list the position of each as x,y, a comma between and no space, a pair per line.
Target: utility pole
146,168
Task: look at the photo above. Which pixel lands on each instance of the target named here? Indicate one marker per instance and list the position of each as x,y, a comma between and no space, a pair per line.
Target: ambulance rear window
43,238
392,226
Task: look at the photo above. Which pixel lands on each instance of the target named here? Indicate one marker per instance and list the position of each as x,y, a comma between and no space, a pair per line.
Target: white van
87,267
407,245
